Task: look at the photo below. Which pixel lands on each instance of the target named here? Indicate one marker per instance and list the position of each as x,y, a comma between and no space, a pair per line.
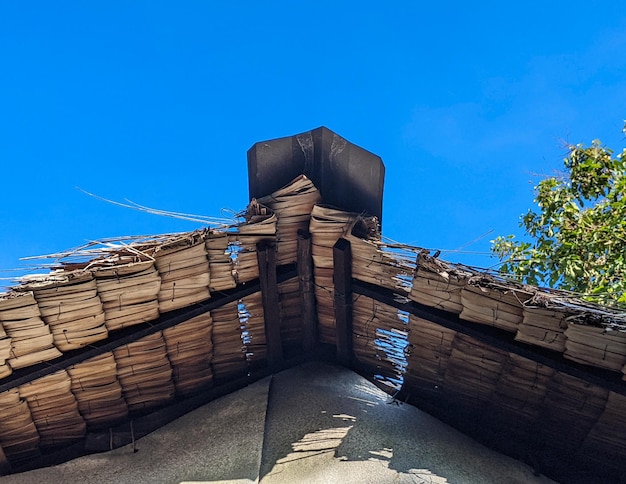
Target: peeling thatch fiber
260,226
430,347
229,357
486,300
438,285
253,325
379,338
292,205
597,346
220,262
543,326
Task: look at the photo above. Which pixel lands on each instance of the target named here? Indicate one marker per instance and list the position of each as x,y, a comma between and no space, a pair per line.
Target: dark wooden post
266,256
307,293
342,277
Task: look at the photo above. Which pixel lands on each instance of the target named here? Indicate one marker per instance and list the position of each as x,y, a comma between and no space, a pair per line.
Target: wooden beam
133,333
342,278
494,337
307,293
266,256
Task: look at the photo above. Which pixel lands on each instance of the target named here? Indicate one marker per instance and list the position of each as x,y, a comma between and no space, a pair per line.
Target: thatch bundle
184,269
18,435
430,346
253,321
129,293
98,391
599,346
474,369
190,351
327,226
568,400
292,204
229,357
220,262
438,284
260,226
54,408
70,305
145,372
488,301
373,264
606,438
542,325
379,337
31,338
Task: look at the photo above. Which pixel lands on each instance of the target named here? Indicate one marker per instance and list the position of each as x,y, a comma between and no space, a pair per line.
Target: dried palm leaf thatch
473,371
522,388
292,204
70,305
379,337
145,372
31,338
327,226
438,284
253,319
220,262
543,324
184,271
372,263
98,391
229,356
129,293
486,300
606,437
5,349
18,435
54,408
570,399
291,331
260,225
595,345
427,355
190,350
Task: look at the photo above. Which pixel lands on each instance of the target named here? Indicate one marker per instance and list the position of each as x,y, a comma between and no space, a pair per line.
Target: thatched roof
117,331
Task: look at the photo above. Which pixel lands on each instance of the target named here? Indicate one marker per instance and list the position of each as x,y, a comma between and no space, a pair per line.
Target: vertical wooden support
342,277
307,293
266,256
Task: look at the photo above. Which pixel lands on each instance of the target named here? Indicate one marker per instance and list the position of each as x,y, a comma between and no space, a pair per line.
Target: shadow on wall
327,424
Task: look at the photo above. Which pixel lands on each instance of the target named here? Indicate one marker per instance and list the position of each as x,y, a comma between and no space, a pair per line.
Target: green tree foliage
577,232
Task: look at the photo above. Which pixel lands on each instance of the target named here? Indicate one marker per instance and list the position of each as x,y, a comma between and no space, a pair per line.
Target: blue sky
158,102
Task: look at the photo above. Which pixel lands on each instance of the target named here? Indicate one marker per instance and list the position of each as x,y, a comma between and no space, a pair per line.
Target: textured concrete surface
316,423
220,441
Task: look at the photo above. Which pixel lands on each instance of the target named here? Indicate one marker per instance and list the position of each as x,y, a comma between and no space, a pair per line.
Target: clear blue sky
158,102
